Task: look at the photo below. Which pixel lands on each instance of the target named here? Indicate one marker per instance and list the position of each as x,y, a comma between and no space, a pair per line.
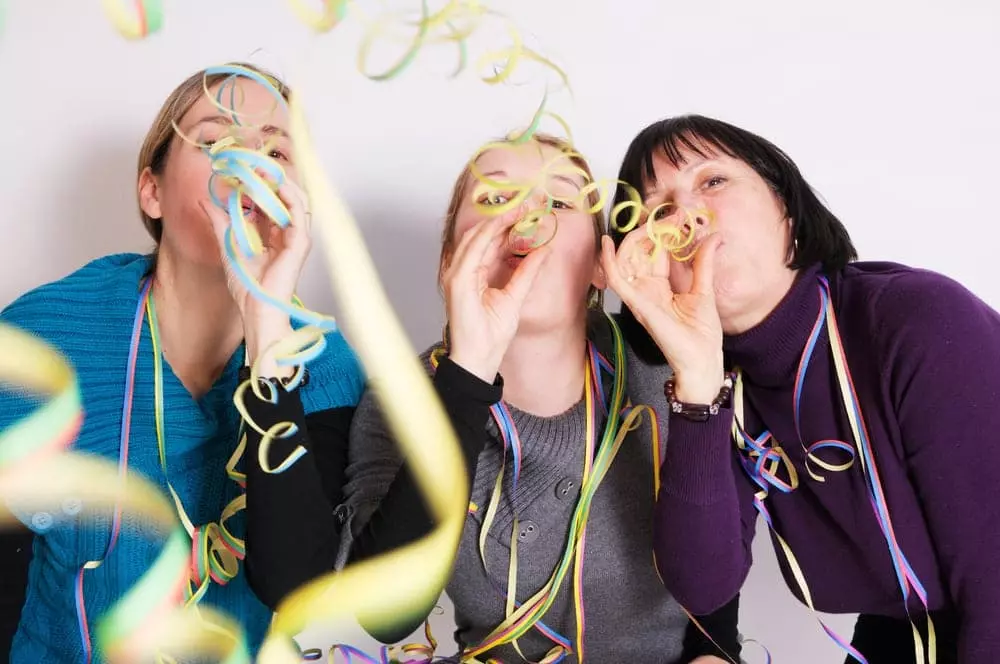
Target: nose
537,200
686,213
693,222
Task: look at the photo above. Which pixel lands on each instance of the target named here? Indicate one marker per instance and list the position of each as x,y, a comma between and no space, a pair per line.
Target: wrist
699,382
698,387
483,369
259,337
701,409
268,368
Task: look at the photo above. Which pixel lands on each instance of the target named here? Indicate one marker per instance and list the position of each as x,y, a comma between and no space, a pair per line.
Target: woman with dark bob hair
851,404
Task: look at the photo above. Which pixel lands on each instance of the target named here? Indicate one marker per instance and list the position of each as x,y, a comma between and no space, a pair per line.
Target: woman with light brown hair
529,373
160,343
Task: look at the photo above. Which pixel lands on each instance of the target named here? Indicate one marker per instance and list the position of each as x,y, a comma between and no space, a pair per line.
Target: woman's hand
276,269
483,320
685,326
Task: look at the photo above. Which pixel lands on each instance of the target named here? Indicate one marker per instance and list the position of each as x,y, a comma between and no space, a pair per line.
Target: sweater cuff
697,468
451,377
336,378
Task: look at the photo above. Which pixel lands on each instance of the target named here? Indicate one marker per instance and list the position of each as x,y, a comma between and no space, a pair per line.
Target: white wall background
889,107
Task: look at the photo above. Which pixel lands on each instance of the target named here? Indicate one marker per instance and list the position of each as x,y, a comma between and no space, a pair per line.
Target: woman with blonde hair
531,374
160,343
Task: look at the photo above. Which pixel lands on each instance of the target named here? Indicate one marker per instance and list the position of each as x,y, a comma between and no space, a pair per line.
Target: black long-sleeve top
294,527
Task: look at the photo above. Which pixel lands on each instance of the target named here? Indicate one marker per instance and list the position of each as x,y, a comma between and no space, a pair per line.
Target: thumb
524,276
703,266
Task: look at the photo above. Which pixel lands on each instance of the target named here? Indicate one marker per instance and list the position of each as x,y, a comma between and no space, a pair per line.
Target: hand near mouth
276,269
483,320
685,326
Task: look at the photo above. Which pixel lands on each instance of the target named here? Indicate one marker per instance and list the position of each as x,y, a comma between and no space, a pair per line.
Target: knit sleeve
380,487
16,404
941,347
704,518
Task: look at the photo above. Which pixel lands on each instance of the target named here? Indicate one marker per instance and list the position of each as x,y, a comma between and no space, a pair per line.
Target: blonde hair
595,297
156,146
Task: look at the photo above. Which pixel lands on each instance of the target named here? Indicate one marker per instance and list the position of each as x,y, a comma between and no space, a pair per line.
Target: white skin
737,277
524,318
203,312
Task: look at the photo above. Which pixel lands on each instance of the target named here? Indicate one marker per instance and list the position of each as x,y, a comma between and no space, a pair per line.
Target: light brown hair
462,183
161,135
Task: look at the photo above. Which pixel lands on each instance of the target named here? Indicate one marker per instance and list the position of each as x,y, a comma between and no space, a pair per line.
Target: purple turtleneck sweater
925,357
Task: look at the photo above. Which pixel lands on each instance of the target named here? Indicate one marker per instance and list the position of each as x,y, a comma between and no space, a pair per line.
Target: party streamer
148,616
40,475
135,19
331,13
668,227
381,592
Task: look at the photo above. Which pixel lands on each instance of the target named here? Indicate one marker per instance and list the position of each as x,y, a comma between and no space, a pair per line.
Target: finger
461,248
295,202
274,238
471,254
657,251
613,271
296,237
502,239
703,269
524,276
636,254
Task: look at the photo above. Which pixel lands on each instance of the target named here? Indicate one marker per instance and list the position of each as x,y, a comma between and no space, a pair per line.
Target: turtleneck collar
769,353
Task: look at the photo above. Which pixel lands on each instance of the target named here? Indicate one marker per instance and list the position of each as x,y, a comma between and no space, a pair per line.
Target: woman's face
751,261
560,292
177,194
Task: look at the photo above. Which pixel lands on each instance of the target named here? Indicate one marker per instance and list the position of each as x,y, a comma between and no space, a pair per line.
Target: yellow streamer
382,592
322,20
37,474
678,233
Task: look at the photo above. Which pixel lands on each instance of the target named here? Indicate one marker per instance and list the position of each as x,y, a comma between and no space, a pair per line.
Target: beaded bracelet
698,412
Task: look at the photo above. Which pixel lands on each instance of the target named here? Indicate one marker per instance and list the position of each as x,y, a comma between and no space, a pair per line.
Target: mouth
513,260
251,212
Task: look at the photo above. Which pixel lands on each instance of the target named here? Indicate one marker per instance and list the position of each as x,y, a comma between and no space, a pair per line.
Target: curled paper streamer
330,14
254,175
38,474
512,57
668,227
135,19
382,592
453,24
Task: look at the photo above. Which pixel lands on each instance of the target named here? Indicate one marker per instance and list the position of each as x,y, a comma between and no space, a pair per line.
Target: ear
793,243
600,279
149,194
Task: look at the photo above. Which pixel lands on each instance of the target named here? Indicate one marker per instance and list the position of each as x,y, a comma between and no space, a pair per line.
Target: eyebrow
564,178
269,130
689,166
